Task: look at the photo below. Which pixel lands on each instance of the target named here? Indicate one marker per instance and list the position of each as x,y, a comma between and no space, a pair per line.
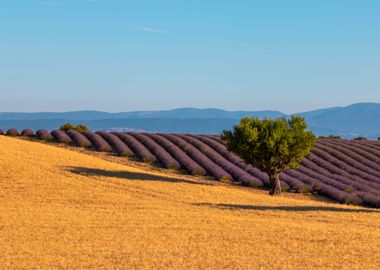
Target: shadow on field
129,175
286,208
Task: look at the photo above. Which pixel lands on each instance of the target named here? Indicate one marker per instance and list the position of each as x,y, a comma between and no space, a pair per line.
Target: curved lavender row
79,139
346,167
13,132
117,145
236,172
161,154
28,133
333,169
60,136
351,159
367,149
213,169
138,148
186,162
372,144
287,182
369,199
97,141
334,192
311,169
43,134
359,149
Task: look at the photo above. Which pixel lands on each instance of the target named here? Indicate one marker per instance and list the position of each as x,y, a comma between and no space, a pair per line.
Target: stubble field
64,209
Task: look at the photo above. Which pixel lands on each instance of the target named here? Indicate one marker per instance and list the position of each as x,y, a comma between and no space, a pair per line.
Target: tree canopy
272,145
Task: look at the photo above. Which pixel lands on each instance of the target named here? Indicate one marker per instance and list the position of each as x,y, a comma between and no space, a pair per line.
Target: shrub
335,137
360,138
79,128
13,132
1,132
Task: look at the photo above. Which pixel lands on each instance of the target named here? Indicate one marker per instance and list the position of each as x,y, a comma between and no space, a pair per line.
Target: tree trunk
275,186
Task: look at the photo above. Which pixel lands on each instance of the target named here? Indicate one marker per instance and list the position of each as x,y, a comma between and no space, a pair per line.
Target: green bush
360,138
79,128
336,137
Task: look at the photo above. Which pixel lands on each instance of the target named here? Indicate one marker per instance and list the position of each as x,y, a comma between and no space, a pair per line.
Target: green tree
272,145
69,126
82,128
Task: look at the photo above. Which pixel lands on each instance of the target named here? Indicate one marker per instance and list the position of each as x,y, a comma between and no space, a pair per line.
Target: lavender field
346,171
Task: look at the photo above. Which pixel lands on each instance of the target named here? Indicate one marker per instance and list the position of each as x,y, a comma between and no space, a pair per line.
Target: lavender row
79,139
161,154
213,169
97,141
350,157
138,148
61,136
117,145
236,172
186,162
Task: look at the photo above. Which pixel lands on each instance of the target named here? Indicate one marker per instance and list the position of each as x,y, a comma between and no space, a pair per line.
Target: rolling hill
64,209
360,119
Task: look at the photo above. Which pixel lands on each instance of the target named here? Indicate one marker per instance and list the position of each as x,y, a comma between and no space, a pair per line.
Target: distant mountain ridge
361,119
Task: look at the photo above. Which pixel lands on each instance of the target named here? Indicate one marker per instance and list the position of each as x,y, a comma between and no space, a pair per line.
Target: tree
69,126
272,145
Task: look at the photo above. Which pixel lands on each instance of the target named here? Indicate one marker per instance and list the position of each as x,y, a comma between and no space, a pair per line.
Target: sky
124,55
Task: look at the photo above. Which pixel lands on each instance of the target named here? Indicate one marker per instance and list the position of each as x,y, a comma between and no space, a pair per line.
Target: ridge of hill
63,209
359,119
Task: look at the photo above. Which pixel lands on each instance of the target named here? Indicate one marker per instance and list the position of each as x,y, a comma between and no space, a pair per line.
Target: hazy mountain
358,119
176,113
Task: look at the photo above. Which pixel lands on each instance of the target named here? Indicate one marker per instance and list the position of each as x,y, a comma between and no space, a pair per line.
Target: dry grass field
62,209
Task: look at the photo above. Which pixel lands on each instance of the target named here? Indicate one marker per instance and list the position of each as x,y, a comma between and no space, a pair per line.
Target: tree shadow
130,175
287,208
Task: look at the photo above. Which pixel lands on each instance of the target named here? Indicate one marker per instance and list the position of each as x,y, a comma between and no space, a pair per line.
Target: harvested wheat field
64,209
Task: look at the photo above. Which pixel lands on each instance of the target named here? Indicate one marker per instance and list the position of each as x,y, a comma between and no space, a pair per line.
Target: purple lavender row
161,154
212,169
364,150
138,148
186,162
336,171
311,169
342,165
326,188
43,134
78,138
97,141
350,158
28,133
236,172
117,145
61,136
13,132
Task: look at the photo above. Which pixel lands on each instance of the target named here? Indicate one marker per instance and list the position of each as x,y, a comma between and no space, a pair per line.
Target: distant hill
362,119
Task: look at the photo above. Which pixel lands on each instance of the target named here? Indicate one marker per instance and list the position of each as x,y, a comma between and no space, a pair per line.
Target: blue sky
121,55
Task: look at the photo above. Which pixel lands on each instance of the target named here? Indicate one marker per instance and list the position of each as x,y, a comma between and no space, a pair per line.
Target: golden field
61,209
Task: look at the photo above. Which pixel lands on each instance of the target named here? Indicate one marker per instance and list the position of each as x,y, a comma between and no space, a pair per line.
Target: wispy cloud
150,29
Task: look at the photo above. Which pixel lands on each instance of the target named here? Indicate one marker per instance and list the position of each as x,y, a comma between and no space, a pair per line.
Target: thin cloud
150,29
